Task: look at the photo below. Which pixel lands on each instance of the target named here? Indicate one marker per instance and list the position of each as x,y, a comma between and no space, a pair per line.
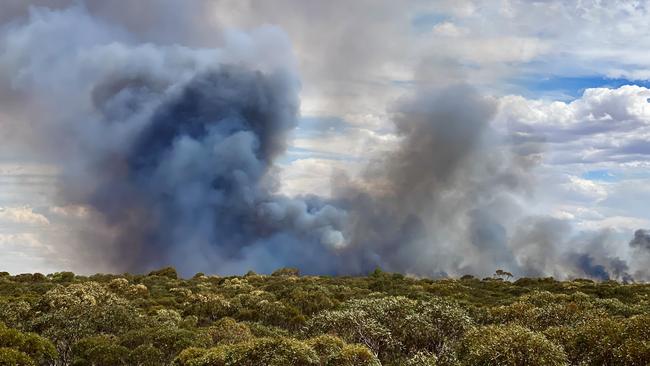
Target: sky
569,81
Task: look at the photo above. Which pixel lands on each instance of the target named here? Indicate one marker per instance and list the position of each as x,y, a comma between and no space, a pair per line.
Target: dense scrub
287,319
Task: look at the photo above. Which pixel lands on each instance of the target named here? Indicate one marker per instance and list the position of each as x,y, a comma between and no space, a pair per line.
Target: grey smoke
641,239
196,179
452,199
172,150
440,203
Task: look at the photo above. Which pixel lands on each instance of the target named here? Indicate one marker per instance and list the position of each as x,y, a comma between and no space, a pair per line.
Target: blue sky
549,86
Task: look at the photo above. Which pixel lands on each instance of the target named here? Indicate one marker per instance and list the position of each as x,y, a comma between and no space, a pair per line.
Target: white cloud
21,240
351,143
21,215
448,29
621,223
602,126
606,130
71,211
583,189
312,176
626,103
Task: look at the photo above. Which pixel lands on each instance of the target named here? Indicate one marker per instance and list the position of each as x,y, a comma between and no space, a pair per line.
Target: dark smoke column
167,151
194,188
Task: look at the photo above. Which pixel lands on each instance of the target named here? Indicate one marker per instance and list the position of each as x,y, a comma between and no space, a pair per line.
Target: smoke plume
641,239
169,155
431,205
172,148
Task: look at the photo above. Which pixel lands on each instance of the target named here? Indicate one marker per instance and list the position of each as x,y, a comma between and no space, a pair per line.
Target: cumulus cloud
602,126
21,215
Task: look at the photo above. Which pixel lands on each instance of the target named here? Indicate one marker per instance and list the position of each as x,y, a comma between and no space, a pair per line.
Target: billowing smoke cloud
435,204
172,148
197,181
452,199
168,153
549,246
641,239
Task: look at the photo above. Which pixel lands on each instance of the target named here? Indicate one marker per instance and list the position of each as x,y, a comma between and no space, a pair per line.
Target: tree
390,324
354,355
146,355
327,347
16,314
434,326
99,351
260,351
354,326
207,307
169,340
71,313
594,341
169,272
422,359
12,357
509,345
229,331
502,274
37,348
286,272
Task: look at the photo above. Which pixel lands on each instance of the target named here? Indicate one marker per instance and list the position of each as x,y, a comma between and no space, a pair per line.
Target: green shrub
146,355
422,359
229,331
12,357
286,271
148,320
99,351
261,351
509,345
327,347
389,324
354,355
169,272
36,347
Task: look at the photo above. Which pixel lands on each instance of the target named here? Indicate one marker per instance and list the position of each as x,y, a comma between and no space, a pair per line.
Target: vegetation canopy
288,319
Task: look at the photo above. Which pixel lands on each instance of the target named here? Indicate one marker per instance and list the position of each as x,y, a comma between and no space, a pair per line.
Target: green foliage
287,319
606,340
286,271
37,348
422,359
229,331
146,355
99,351
354,355
168,340
506,345
354,326
62,277
168,272
260,351
327,347
15,313
12,357
395,324
68,314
